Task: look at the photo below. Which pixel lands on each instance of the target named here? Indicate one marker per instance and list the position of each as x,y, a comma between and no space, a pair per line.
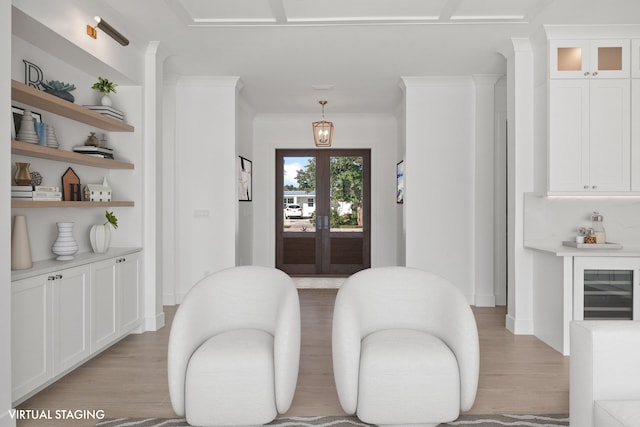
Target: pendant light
323,130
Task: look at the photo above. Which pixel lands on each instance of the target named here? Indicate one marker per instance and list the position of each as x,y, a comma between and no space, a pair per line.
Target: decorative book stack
92,150
39,192
107,111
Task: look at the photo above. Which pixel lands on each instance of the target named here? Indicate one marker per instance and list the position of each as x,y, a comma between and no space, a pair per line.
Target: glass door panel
569,59
610,58
299,194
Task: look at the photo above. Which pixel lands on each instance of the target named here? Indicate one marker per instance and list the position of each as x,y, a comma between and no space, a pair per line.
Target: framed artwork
16,119
400,182
245,170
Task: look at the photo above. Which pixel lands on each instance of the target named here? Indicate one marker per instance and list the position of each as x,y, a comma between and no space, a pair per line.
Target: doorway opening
323,214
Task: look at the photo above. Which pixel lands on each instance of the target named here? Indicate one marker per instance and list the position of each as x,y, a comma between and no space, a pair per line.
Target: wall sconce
108,29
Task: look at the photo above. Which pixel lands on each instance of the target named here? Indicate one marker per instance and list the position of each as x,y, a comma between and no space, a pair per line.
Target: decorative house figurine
98,192
71,186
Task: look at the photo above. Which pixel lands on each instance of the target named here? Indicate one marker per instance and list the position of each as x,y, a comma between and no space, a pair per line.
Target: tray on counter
607,245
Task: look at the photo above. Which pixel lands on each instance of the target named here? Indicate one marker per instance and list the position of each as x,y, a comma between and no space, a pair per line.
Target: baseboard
485,301
519,326
154,323
6,420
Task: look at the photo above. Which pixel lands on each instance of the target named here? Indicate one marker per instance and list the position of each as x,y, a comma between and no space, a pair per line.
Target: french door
323,211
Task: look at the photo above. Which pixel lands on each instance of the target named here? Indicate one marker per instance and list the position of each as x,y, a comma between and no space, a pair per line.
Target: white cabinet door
569,136
610,59
104,304
70,298
589,59
129,287
569,59
610,135
589,136
635,134
635,58
31,361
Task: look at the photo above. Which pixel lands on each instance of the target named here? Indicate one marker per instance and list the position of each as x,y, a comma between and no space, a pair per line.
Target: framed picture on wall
400,182
245,170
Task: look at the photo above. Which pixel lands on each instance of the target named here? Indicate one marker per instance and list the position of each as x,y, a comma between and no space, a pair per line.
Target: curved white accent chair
405,348
234,348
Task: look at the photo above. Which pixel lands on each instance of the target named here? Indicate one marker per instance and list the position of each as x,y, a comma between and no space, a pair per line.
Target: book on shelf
22,194
45,188
91,150
21,188
46,194
106,111
47,199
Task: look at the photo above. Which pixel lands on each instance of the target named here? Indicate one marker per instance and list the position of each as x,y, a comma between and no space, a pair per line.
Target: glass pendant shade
322,130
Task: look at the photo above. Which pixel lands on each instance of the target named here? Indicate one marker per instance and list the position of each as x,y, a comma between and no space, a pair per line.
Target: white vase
100,238
106,100
65,245
20,248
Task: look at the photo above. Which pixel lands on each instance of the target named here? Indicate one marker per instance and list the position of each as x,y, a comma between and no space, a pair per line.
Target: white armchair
604,373
405,348
234,348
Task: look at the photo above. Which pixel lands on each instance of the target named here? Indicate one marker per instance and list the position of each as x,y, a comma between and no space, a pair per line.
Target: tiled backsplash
558,218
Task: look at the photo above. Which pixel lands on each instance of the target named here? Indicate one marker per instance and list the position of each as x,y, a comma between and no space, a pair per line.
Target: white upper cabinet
589,136
584,59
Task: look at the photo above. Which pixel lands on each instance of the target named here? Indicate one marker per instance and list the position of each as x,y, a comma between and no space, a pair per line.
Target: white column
152,295
520,106
484,190
206,185
439,178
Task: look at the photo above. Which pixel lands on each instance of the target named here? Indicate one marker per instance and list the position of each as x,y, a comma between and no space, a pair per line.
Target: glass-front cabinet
606,288
579,59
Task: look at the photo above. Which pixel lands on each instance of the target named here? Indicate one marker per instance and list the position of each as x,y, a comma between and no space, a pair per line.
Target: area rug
462,421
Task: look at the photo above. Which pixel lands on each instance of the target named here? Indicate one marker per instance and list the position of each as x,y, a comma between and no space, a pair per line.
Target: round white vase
65,245
106,100
100,238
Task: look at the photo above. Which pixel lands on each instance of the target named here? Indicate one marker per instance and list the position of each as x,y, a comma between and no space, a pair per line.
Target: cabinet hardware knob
586,187
51,278
594,187
595,73
58,276
586,73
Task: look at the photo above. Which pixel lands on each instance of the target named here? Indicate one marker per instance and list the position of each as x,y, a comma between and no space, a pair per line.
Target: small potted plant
100,234
59,89
105,87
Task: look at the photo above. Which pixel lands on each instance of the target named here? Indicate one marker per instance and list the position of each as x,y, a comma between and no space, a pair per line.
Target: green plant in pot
105,87
100,234
59,89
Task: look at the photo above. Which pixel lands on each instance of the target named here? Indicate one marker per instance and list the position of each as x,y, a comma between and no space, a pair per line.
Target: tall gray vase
20,248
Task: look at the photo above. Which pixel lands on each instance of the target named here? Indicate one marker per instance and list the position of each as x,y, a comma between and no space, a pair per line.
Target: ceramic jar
100,238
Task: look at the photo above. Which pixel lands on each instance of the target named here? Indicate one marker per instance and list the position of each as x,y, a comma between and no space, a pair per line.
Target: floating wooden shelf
34,150
54,204
39,99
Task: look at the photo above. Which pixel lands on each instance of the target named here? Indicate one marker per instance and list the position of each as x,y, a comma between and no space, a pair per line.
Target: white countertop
51,265
556,248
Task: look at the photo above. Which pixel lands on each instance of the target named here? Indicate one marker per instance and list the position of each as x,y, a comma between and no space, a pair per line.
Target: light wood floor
518,374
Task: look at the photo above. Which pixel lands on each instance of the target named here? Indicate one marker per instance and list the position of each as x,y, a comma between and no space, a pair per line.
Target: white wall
244,224
440,158
377,132
205,190
5,220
